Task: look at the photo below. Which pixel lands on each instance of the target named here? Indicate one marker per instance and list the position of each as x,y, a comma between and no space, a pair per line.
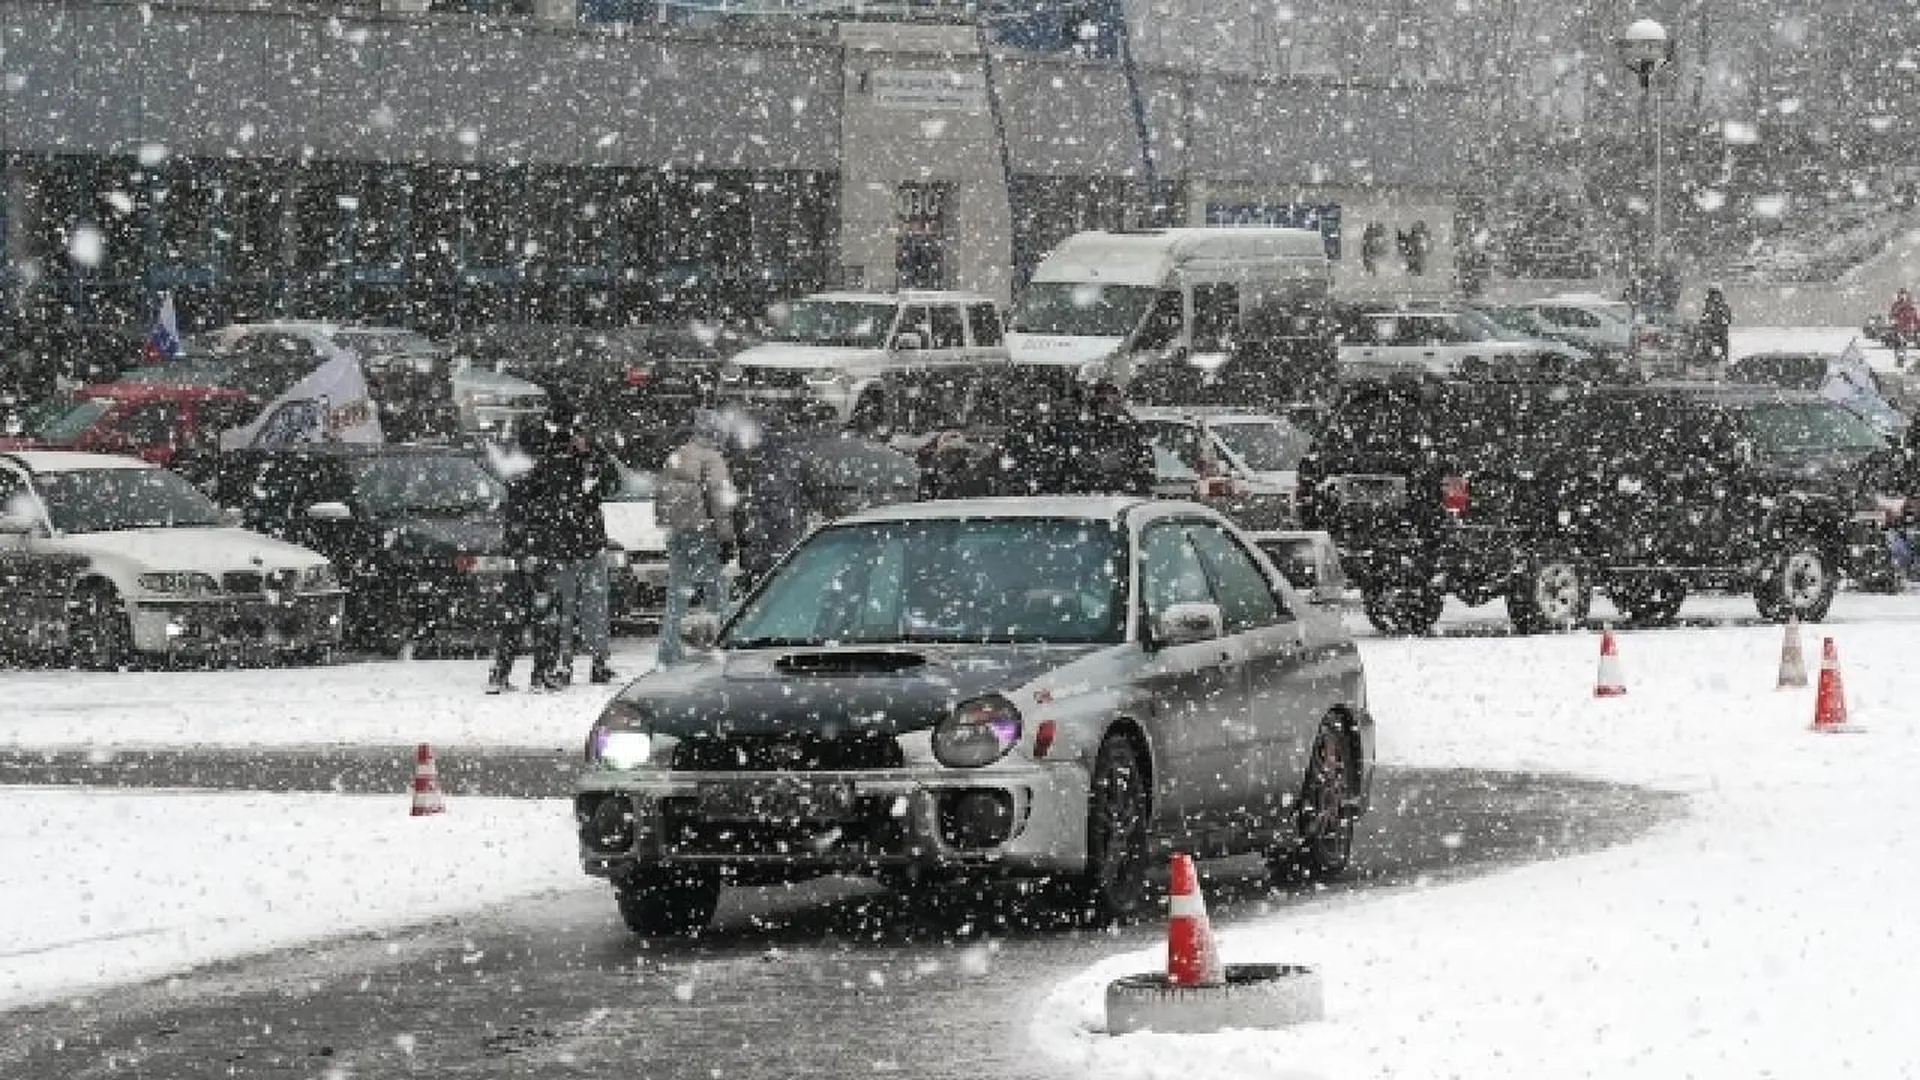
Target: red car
157,421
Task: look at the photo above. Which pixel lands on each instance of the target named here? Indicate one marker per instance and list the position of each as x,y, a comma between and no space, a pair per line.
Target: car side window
1170,569
986,324
1247,600
949,330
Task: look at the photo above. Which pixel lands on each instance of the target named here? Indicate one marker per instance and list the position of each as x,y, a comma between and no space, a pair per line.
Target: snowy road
833,975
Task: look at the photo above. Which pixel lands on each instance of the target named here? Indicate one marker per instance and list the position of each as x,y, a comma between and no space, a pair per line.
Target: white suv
834,348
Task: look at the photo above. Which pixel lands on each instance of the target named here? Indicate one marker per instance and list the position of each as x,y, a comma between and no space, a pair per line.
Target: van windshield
1081,309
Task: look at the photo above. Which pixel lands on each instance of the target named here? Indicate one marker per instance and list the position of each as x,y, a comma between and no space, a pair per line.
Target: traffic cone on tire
1609,683
1793,663
426,783
1830,705
1192,958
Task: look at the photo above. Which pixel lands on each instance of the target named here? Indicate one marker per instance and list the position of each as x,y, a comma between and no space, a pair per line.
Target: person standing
1904,320
695,503
1716,325
527,604
581,474
778,499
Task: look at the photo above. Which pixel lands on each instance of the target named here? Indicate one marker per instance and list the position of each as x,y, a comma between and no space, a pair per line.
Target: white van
1181,307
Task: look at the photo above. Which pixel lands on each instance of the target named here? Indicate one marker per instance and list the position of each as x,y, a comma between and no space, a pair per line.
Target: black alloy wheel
1326,817
1799,581
1113,888
660,902
99,636
1553,594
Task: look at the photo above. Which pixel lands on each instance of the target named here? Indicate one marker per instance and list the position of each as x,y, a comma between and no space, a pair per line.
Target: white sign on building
899,88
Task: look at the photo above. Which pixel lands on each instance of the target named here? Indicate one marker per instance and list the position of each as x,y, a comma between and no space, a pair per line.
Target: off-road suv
1539,492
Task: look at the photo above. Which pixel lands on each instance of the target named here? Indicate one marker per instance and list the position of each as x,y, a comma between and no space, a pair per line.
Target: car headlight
321,578
180,583
977,732
619,739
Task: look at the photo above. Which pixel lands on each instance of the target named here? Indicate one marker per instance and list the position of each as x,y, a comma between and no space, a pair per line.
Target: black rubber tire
1403,610
1113,889
1554,593
668,903
100,638
1800,580
1327,812
1649,603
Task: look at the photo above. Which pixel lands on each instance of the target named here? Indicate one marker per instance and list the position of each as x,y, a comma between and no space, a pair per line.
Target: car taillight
639,376
1453,495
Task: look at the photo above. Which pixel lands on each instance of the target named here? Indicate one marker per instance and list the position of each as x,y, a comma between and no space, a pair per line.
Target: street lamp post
1646,48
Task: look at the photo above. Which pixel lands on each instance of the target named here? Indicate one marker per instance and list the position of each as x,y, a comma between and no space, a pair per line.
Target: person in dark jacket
777,491
576,475
1088,444
1716,325
527,614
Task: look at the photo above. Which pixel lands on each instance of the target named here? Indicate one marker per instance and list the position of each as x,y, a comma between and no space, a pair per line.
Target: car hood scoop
849,662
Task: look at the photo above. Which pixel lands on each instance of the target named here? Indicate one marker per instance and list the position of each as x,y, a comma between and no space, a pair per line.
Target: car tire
1113,887
1799,581
1553,593
100,638
1649,603
1324,824
668,903
1403,610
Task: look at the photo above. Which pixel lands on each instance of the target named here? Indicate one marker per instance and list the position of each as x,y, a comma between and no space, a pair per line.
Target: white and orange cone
1609,683
1192,958
426,783
1793,662
1830,704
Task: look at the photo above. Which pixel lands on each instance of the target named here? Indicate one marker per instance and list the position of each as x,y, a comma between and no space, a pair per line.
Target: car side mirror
330,511
700,629
1184,624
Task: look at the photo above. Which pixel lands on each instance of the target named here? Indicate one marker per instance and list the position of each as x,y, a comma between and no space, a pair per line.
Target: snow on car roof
58,461
1091,507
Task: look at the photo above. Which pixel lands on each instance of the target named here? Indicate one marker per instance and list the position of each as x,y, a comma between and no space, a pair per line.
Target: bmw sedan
1063,689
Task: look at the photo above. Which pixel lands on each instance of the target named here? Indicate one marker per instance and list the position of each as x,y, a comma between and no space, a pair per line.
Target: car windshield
860,324
424,484
1007,581
1265,445
1080,309
66,426
1789,428
103,500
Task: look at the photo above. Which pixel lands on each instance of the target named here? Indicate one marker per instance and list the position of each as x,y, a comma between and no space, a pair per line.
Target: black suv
1538,492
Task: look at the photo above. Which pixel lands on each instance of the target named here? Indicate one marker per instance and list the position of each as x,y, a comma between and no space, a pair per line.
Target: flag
163,341
330,405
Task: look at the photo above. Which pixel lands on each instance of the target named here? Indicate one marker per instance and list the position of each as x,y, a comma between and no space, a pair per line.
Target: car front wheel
668,903
1113,888
1326,818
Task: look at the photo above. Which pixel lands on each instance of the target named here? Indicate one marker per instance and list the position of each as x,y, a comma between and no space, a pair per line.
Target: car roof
59,461
365,450
1089,507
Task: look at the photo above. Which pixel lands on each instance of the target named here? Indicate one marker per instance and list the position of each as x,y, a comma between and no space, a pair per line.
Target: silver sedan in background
1054,688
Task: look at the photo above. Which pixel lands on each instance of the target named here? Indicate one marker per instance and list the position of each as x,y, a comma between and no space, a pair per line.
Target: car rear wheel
1113,888
669,903
1327,814
1399,610
99,636
1799,582
1554,593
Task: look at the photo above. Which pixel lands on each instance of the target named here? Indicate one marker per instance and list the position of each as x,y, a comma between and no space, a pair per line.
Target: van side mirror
1184,624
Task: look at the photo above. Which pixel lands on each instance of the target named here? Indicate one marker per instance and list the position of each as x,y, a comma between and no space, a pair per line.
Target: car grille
873,831
789,753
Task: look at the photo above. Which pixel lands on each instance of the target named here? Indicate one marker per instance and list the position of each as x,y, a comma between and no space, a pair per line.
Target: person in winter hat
581,474
527,614
1904,319
1716,325
695,502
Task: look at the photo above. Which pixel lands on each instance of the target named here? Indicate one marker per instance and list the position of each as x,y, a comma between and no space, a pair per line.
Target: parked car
1242,463
1810,371
835,348
1023,688
415,530
1538,492
163,422
117,559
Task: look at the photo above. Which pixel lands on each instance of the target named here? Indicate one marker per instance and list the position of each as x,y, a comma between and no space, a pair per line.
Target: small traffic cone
1609,683
426,783
1830,705
1793,664
1192,959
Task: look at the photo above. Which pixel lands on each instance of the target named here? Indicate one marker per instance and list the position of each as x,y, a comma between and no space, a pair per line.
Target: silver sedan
1058,688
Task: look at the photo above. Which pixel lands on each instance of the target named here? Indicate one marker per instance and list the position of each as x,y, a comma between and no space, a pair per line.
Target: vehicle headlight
619,739
977,732
321,578
180,583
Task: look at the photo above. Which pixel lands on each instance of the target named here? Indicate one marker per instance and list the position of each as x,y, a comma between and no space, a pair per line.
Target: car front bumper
1021,821
194,625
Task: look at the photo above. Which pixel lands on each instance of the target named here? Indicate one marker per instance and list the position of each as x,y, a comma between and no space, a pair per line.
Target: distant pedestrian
527,615
778,495
581,474
695,502
1716,326
1904,320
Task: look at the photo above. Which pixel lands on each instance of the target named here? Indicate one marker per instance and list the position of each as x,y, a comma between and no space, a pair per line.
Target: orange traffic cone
1192,959
426,783
1793,664
1830,705
1609,683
